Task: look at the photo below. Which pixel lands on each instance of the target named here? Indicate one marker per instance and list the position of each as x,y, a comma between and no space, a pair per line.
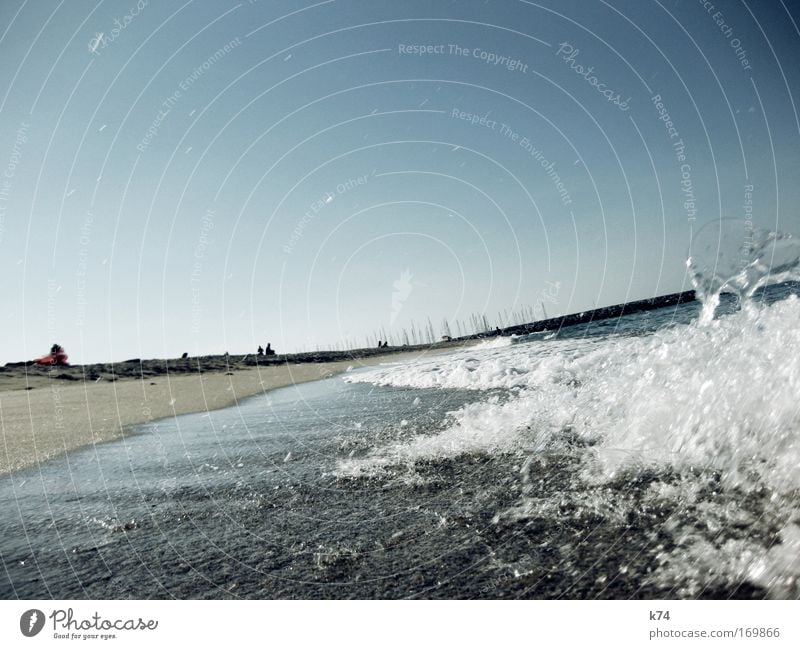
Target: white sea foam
722,396
714,402
495,342
721,399
504,366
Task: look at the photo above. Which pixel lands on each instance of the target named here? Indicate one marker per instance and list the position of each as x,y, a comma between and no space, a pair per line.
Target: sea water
708,416
655,455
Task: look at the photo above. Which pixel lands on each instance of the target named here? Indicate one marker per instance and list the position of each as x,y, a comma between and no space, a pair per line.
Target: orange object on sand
59,358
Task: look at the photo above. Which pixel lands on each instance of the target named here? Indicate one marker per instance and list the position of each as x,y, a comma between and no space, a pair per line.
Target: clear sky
209,176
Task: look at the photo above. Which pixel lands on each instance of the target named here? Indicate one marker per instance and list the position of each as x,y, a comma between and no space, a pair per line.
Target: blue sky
209,176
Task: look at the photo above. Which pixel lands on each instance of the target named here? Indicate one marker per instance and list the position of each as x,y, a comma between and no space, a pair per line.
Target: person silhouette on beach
269,351
260,350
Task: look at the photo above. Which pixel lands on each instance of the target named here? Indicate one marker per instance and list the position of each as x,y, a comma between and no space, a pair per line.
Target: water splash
720,398
707,411
729,255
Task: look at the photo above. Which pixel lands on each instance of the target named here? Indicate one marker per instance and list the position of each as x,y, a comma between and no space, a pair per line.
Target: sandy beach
45,412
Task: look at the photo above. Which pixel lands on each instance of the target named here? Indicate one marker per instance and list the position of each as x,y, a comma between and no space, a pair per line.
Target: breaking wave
711,402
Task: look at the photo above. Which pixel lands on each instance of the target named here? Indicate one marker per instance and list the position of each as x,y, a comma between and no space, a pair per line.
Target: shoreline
52,411
46,411
12,372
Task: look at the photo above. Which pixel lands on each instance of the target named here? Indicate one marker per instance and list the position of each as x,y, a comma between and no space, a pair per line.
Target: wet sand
45,412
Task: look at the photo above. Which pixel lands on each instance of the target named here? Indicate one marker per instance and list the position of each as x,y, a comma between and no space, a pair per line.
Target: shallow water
641,457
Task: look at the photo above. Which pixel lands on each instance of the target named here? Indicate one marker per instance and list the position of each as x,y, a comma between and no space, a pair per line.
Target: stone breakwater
604,313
